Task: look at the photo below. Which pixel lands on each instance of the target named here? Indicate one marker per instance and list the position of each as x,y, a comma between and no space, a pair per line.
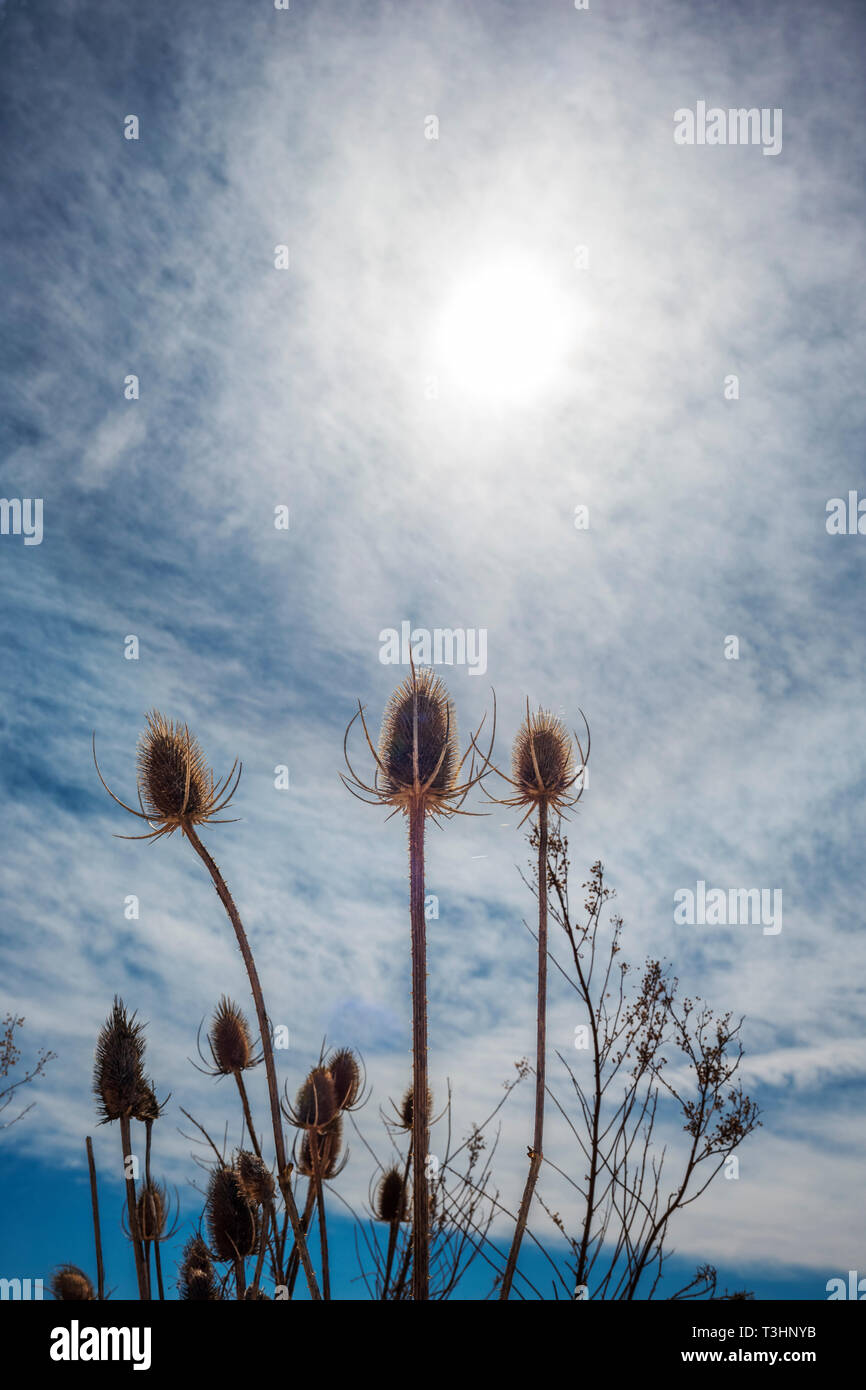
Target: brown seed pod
328,1145
230,1039
197,1279
232,1222
542,761
255,1179
316,1104
69,1284
346,1071
391,1198
118,1077
152,1211
147,1107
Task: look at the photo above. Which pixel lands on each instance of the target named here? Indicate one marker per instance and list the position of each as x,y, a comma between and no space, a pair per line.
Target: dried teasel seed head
230,1039
316,1104
328,1145
147,1106
407,1108
418,743
118,1077
174,780
69,1284
197,1279
542,759
152,1211
232,1222
346,1071
391,1199
255,1179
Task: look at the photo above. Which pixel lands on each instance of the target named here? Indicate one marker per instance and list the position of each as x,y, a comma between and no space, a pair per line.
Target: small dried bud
69,1284
407,1108
344,1068
230,1039
197,1280
173,777
152,1211
255,1178
232,1222
316,1103
328,1144
390,1203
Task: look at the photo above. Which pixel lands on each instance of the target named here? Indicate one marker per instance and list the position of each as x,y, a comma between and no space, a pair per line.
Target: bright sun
503,334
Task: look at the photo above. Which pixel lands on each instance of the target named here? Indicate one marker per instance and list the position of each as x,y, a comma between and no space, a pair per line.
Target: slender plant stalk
320,1202
393,1228
283,1171
420,1115
240,1279
126,1144
157,1259
541,1045
94,1201
307,1217
247,1116
263,1245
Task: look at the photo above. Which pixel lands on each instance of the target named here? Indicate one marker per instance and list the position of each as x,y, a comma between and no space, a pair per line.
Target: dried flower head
417,761
406,1109
148,1108
328,1145
316,1102
197,1280
345,1069
542,764
152,1211
255,1178
230,1040
69,1284
118,1079
232,1221
390,1203
176,787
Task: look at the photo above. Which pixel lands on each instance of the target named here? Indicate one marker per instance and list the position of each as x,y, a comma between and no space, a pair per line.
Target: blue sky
310,388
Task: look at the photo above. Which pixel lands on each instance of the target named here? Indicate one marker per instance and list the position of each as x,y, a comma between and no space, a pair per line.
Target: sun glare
503,334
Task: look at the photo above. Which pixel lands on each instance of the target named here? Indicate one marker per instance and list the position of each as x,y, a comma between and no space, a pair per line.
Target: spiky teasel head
255,1179
230,1040
328,1145
543,771
152,1211
232,1223
390,1203
69,1284
197,1278
315,1105
148,1108
176,787
406,1109
118,1078
345,1068
417,761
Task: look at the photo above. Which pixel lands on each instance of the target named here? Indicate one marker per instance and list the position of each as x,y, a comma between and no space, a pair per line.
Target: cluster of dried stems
431,1216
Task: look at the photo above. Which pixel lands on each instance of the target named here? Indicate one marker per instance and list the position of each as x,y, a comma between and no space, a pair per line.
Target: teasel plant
177,791
234,1229
123,1094
232,1053
543,779
69,1284
418,772
154,1226
197,1281
316,1113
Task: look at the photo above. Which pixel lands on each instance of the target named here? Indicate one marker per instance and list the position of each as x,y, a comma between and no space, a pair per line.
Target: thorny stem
126,1145
292,1272
420,1116
94,1199
393,1228
283,1172
541,1045
247,1116
151,1212
263,1245
320,1203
